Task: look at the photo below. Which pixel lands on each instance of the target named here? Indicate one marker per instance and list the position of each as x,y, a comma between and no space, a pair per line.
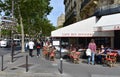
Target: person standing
92,47
31,47
26,46
38,46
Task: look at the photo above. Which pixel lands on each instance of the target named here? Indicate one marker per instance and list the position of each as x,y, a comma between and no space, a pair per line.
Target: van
3,43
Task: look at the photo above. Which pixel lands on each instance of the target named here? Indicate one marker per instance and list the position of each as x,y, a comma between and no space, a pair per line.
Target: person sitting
99,56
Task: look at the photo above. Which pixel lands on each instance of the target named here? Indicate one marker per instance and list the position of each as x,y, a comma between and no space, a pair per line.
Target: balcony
71,14
84,3
106,10
70,18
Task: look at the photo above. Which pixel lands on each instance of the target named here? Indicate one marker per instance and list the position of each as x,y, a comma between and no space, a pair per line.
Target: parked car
64,52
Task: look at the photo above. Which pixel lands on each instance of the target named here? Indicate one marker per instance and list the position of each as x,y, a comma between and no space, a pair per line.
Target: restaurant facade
80,33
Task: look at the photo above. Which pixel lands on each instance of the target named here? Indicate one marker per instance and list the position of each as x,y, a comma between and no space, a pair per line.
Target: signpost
58,43
8,23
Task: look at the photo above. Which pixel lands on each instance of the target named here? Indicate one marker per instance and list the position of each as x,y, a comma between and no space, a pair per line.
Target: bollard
26,63
61,60
12,54
61,65
12,58
2,63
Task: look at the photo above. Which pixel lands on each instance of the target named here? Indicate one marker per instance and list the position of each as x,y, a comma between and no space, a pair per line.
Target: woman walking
92,47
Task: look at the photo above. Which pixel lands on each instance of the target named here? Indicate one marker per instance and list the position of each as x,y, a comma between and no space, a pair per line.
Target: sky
58,9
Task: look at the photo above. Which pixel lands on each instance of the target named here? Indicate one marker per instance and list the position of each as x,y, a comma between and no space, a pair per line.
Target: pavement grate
24,65
13,68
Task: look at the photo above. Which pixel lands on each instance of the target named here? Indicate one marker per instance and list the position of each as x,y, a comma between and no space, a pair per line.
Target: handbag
88,52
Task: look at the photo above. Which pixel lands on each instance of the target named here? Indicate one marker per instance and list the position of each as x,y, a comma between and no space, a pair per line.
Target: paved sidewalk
40,67
37,66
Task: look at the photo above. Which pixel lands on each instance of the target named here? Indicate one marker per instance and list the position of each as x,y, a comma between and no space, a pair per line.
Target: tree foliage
34,14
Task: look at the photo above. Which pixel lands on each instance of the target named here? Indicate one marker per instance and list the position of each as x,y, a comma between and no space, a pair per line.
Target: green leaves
33,12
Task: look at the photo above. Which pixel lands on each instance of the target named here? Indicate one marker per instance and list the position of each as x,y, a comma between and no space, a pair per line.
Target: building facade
61,20
70,11
77,10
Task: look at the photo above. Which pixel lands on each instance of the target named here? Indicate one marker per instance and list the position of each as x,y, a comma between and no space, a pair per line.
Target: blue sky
58,9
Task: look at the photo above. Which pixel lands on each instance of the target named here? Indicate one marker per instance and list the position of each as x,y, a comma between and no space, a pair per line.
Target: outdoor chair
111,58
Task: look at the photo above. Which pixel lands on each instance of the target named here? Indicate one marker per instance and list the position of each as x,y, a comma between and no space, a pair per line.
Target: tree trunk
22,30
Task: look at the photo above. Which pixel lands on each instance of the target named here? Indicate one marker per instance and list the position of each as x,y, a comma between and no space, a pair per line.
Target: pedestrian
92,47
31,47
38,46
26,46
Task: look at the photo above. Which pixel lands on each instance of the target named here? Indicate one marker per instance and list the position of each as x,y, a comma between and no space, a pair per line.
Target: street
4,51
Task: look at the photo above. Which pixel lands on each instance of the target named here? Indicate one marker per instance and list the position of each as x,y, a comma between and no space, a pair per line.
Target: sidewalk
37,66
40,67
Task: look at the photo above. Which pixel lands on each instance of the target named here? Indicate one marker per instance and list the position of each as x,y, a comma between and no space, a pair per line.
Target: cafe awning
108,23
84,28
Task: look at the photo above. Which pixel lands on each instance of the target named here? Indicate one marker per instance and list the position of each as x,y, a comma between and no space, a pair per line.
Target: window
111,1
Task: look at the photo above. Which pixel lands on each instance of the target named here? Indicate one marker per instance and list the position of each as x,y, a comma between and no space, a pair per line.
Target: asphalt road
4,51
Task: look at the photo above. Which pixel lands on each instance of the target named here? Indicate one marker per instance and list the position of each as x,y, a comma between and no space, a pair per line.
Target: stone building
77,24
76,10
61,20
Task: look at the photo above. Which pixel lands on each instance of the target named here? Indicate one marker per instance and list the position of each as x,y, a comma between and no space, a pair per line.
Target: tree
31,15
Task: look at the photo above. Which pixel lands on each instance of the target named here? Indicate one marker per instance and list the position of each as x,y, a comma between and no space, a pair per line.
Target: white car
64,52
3,43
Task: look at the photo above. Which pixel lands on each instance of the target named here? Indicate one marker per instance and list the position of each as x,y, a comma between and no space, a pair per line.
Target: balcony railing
109,6
109,9
71,14
84,3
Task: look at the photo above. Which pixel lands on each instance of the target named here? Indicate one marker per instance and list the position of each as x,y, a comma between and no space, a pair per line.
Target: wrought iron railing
84,3
108,9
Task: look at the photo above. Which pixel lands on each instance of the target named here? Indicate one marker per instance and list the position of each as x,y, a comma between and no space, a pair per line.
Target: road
4,51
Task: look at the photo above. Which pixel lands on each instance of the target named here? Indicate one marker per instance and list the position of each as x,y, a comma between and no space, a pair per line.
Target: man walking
38,47
31,47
